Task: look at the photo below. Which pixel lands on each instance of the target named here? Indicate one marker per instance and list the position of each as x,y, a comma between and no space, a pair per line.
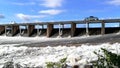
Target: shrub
60,64
50,64
107,60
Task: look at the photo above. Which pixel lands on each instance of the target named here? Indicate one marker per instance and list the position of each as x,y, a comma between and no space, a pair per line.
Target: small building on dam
89,26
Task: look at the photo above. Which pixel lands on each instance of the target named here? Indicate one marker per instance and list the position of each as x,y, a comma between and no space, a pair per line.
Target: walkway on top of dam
39,29
67,22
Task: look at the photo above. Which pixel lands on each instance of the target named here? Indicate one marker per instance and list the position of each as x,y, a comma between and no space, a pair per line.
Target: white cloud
114,2
28,17
23,4
2,16
51,12
52,3
23,17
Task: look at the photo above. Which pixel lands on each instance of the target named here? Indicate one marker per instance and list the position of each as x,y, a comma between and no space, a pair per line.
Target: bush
107,60
60,64
50,64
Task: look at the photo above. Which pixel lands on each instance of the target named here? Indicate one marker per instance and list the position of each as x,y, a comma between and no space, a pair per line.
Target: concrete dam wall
56,32
49,29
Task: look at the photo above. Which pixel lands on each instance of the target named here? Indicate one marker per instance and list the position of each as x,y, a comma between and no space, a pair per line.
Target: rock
18,66
64,66
11,64
75,66
88,66
8,65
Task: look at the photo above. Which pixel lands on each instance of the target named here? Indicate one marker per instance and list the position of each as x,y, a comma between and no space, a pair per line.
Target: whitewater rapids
38,56
29,52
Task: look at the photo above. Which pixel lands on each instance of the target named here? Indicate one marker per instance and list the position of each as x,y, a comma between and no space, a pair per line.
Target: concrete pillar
49,29
5,30
30,29
2,29
59,29
42,26
38,30
15,29
103,28
20,30
119,24
87,28
73,28
62,26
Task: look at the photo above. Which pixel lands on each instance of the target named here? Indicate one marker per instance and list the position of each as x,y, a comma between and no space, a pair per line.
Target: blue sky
56,10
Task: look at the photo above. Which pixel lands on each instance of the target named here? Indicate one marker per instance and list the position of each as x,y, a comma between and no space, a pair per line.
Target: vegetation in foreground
107,60
60,64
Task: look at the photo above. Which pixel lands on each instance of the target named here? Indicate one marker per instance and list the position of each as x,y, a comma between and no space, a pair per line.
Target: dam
59,28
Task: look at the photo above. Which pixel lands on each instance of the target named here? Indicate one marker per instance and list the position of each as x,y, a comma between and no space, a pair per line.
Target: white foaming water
38,56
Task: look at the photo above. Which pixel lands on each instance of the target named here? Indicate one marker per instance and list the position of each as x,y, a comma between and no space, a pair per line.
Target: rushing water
38,56
12,49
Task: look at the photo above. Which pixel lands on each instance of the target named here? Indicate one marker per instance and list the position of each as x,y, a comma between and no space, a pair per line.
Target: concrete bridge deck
30,29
